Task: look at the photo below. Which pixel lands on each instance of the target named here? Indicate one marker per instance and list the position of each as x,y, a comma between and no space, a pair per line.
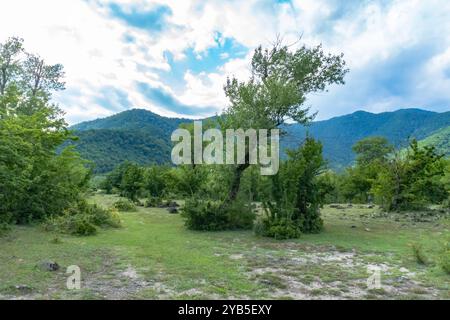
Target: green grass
173,262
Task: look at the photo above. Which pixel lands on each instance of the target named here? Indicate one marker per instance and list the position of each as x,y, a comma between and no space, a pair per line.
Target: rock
23,288
48,266
367,229
172,210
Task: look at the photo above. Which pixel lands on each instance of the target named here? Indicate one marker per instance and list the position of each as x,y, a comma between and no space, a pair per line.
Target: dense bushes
297,194
83,220
208,215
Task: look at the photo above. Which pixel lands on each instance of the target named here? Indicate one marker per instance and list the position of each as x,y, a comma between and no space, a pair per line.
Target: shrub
78,224
4,228
83,220
279,229
278,223
125,205
207,215
153,202
418,253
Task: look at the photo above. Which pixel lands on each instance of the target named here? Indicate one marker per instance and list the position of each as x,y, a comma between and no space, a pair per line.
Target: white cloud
92,46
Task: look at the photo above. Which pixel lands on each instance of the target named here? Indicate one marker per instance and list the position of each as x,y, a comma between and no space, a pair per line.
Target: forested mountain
135,135
144,137
339,134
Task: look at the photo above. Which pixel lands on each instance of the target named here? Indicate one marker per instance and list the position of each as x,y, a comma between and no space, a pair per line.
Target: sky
172,57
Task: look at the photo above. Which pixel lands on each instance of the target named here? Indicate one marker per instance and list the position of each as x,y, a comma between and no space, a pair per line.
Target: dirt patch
315,273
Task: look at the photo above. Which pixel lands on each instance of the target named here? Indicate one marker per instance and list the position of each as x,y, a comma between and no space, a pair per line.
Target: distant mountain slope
339,134
135,135
144,137
136,119
440,139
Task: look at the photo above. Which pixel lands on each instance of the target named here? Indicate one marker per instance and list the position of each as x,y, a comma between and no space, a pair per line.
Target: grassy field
154,257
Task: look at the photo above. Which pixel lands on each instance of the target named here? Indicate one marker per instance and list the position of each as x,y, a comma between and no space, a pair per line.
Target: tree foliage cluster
397,180
36,181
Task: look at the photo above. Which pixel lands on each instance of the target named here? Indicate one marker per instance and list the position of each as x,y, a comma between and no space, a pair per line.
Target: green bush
78,224
4,228
125,205
278,223
83,220
153,202
418,253
280,229
207,215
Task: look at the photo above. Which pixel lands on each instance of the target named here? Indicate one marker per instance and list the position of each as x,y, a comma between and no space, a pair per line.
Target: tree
277,90
132,181
35,179
371,155
371,149
10,65
40,77
412,179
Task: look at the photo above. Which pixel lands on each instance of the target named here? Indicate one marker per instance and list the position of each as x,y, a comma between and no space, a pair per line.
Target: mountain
339,134
144,137
135,135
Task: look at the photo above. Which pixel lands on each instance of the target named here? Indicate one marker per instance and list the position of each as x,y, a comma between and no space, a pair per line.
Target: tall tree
10,64
279,85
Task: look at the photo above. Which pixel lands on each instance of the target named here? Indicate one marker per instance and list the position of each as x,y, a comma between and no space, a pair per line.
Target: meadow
153,256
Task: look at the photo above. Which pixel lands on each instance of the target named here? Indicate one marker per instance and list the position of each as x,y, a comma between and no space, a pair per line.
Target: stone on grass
48,266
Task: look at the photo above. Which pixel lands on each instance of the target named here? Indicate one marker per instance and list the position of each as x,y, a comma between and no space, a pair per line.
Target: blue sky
172,57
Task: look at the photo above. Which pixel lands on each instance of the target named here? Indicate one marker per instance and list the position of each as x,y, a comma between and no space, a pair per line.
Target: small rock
23,288
48,266
367,229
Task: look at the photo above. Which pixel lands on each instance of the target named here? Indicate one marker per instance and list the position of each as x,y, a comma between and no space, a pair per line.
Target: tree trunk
236,183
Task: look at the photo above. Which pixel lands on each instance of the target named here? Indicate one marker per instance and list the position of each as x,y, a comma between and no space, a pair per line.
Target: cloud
172,57
166,100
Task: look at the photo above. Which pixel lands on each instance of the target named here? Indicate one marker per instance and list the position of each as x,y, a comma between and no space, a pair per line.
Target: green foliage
82,220
444,258
35,179
132,181
153,202
371,150
280,230
298,194
125,205
440,139
111,141
207,215
419,254
413,180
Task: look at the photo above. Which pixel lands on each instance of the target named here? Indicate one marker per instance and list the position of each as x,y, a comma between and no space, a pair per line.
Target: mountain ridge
142,136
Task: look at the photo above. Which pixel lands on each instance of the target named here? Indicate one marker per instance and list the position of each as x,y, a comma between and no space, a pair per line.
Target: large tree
281,80
35,179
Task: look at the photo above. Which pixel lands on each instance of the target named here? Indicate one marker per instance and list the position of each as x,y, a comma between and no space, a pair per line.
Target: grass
168,261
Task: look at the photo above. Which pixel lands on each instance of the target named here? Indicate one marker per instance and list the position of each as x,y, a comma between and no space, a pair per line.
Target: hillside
135,135
144,137
440,139
339,134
